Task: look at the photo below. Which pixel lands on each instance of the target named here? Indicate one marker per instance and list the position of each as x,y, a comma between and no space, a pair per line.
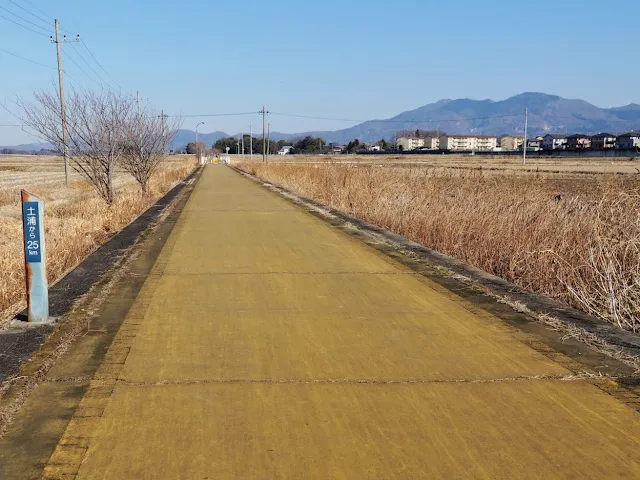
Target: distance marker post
35,258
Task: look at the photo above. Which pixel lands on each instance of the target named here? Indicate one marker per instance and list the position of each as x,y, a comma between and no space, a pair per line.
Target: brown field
77,221
572,236
488,163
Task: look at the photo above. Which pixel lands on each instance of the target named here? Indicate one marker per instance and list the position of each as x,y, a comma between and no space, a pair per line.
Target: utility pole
63,108
198,150
250,142
163,118
238,146
264,146
242,146
268,140
524,145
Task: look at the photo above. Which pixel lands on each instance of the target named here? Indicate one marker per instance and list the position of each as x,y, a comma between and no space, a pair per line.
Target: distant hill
183,137
548,114
28,147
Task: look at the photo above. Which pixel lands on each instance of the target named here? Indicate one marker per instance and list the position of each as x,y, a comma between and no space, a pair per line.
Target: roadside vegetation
572,237
113,144
77,218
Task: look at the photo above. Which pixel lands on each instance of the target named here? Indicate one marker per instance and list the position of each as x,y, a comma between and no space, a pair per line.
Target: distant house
511,143
578,142
374,148
286,150
338,149
535,144
409,143
468,143
629,141
554,141
603,141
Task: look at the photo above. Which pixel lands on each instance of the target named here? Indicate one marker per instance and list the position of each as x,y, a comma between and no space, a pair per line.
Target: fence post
35,261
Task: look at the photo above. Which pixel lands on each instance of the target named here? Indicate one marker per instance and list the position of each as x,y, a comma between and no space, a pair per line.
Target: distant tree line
304,145
13,151
307,145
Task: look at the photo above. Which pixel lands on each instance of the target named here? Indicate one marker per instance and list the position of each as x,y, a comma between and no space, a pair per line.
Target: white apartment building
409,143
468,142
431,143
511,143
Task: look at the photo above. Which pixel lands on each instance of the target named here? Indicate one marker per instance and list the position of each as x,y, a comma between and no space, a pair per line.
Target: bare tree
148,137
97,128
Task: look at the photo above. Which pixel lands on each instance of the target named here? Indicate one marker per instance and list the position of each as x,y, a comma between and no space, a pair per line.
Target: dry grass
487,163
575,238
77,221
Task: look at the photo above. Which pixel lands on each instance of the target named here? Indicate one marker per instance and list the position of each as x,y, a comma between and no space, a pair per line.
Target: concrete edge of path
17,344
608,339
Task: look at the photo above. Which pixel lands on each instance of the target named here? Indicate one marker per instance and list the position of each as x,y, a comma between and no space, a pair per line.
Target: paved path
267,344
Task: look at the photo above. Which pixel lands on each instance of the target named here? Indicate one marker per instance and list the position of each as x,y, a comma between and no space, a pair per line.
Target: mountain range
547,114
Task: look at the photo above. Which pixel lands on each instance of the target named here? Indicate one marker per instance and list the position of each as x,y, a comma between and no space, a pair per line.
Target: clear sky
351,59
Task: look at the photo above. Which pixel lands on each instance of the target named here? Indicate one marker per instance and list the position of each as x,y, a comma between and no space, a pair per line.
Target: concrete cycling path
269,344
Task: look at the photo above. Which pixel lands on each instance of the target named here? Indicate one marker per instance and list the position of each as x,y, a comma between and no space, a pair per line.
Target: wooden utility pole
524,145
264,146
268,140
163,118
264,113
63,110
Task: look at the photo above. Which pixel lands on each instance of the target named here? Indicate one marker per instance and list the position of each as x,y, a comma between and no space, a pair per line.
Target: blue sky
351,59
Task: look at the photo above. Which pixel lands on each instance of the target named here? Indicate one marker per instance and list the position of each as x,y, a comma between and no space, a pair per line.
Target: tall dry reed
575,238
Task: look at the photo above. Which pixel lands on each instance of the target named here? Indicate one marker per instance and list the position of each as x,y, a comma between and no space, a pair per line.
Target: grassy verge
77,222
572,237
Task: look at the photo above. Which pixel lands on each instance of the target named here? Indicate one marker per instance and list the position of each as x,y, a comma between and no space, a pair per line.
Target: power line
10,112
99,64
32,5
316,118
443,120
24,19
87,63
73,79
397,121
458,119
26,59
30,13
215,115
23,26
83,71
